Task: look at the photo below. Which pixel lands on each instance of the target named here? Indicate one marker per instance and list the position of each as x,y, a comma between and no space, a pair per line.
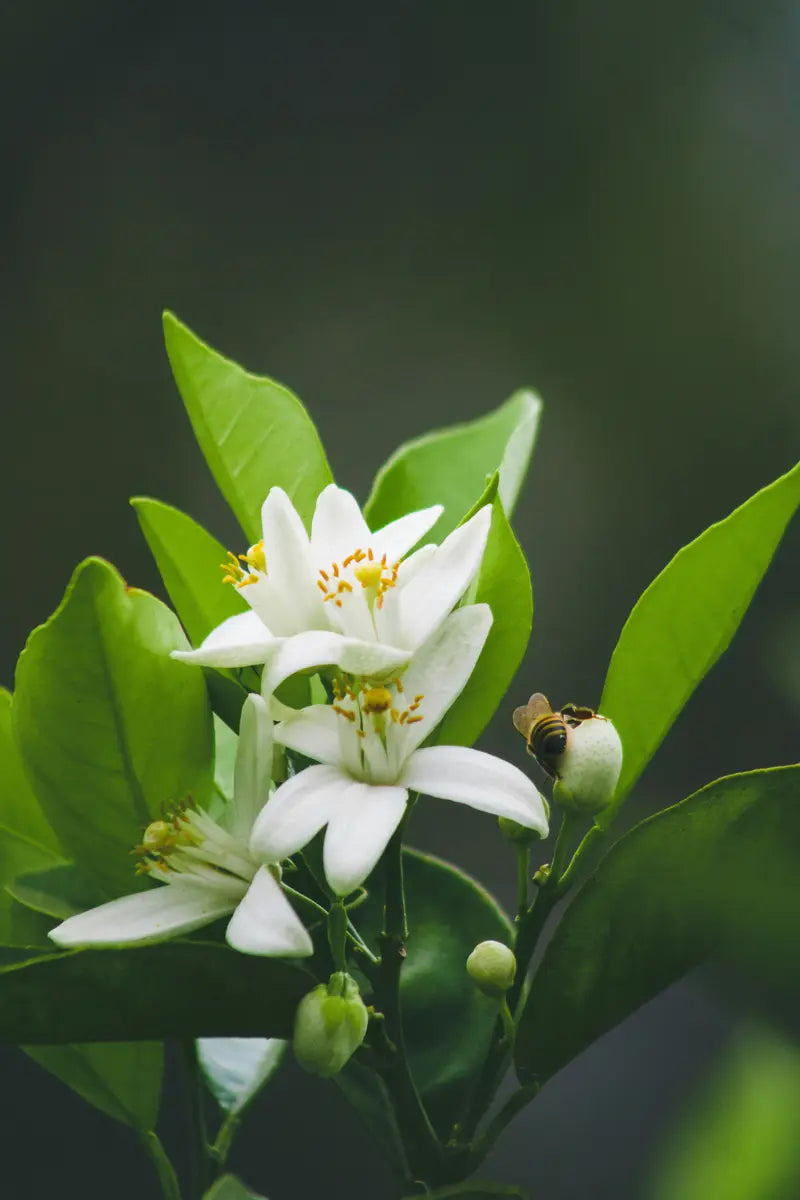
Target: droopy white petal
439,671
318,648
312,731
420,606
252,773
240,641
337,528
361,822
235,1068
266,923
414,563
479,780
398,537
150,916
298,809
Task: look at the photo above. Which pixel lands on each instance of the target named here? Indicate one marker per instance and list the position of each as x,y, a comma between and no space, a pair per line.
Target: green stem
523,876
151,1144
423,1149
202,1169
592,839
337,934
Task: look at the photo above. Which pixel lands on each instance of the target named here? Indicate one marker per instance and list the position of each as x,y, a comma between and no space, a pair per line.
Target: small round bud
492,967
521,835
589,768
330,1025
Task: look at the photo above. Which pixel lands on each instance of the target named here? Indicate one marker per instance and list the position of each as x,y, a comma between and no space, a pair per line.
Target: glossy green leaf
20,812
448,1023
738,1139
685,620
236,1069
27,843
504,583
175,989
189,559
665,897
110,728
450,466
59,891
254,433
230,1188
122,1079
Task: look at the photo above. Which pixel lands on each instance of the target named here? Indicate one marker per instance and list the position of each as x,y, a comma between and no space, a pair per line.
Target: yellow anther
376,700
413,720
344,712
322,587
398,683
256,558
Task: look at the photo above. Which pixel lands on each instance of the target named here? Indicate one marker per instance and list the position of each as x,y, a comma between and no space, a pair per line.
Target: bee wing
526,716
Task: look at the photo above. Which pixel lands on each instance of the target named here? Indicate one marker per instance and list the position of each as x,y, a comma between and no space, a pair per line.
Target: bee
545,731
573,714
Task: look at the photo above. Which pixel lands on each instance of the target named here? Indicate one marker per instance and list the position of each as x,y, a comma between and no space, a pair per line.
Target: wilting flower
367,745
208,869
345,596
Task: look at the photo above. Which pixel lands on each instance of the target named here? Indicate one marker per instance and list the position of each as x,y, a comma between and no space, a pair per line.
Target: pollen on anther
324,575
413,720
322,587
398,683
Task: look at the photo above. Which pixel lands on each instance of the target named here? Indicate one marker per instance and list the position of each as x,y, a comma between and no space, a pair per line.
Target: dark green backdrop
404,211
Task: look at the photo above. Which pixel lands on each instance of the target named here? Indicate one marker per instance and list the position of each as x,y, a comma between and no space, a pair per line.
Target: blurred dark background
404,212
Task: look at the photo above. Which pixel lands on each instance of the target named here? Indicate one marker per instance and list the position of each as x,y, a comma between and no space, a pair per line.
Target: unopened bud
521,835
492,967
589,768
330,1025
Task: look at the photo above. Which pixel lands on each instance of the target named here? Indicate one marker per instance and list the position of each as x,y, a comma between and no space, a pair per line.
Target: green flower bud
492,967
521,835
330,1025
589,768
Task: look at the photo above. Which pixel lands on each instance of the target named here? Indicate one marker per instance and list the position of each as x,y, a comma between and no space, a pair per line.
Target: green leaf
189,560
685,620
236,1069
20,812
504,583
110,728
448,1024
122,1079
450,466
254,434
665,897
175,989
230,1188
59,891
738,1140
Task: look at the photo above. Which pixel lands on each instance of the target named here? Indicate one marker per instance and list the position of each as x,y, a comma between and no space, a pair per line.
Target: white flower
209,871
344,596
367,745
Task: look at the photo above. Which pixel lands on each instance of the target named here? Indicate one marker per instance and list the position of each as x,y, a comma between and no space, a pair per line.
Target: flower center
359,569
255,565
186,841
366,707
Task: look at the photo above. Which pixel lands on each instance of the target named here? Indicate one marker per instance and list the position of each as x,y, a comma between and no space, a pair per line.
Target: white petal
150,916
312,731
478,780
296,812
414,611
291,574
361,823
235,1068
337,528
266,923
414,563
439,671
398,537
252,774
318,648
240,641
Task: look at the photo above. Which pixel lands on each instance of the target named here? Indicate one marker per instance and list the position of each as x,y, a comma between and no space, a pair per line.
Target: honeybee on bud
545,731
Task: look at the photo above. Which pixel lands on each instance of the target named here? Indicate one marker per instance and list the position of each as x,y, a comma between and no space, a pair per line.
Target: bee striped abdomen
548,738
